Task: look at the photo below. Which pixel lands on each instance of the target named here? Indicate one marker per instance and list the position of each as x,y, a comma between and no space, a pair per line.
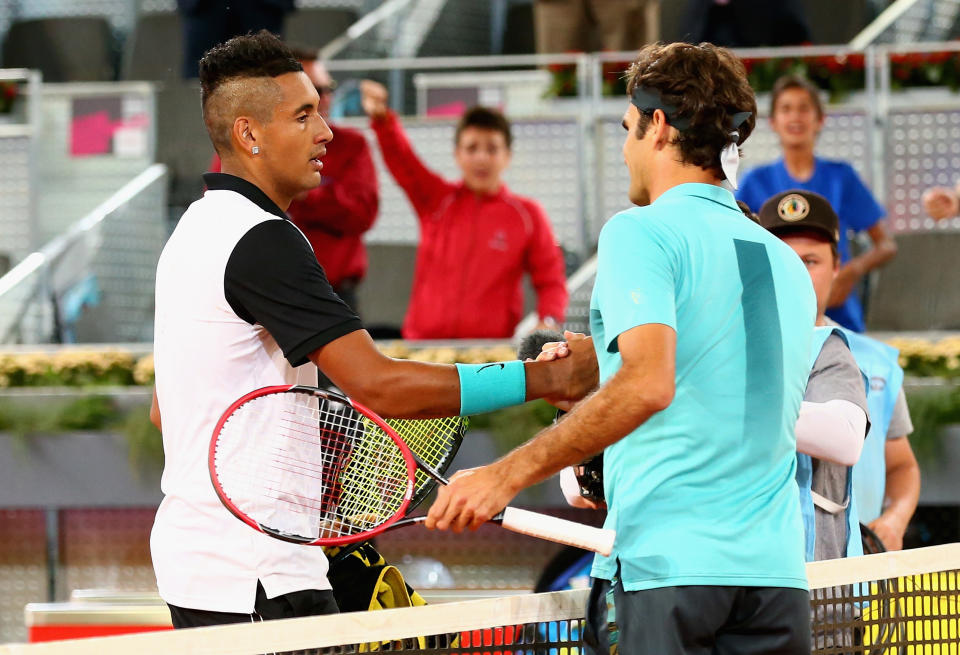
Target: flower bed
83,368
91,373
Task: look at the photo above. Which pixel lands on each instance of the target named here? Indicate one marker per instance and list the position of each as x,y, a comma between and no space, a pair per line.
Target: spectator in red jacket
334,215
477,238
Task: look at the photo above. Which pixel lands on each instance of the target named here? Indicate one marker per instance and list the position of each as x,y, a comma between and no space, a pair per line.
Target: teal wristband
486,387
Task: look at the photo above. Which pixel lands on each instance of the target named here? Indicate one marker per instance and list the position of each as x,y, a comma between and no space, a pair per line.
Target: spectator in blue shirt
796,115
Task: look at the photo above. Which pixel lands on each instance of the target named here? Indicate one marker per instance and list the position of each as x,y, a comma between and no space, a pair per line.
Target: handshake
582,484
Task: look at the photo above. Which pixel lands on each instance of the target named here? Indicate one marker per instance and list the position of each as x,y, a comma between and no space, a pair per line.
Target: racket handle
561,531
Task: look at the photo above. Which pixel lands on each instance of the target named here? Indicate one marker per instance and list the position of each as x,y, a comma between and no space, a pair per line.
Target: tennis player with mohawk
702,324
241,303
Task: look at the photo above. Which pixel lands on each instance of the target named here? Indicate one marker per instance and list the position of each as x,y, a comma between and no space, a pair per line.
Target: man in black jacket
209,22
746,23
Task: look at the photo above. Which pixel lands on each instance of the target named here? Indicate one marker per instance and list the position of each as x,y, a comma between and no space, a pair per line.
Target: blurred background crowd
499,118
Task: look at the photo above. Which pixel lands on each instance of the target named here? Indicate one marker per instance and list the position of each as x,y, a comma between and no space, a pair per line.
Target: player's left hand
890,529
472,498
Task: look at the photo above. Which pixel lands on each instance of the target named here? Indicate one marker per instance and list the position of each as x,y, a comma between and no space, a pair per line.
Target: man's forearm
881,253
903,491
409,389
851,272
600,420
848,277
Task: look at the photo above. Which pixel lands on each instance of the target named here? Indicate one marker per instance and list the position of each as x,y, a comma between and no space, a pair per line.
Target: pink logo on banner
95,122
450,109
92,134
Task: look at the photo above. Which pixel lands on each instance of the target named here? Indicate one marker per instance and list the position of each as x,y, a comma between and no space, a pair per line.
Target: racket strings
309,467
435,441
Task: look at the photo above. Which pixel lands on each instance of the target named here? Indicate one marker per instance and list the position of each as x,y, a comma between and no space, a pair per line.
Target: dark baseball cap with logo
796,210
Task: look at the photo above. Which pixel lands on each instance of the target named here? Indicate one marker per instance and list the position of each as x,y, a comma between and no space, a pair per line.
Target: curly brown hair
707,85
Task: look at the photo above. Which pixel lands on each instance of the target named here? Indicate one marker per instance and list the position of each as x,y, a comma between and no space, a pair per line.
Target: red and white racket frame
319,393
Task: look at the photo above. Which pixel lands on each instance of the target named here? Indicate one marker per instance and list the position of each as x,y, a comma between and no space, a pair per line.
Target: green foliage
143,440
95,412
925,359
512,426
9,91
931,410
72,368
83,413
87,413
836,74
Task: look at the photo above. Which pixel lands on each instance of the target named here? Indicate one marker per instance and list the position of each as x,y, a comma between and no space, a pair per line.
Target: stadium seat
833,22
914,290
315,28
518,35
385,292
72,49
154,51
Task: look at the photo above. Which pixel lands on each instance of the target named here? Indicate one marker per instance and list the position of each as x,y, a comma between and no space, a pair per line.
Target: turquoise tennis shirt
704,492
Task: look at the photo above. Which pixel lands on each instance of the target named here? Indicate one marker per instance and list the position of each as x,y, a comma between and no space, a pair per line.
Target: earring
255,150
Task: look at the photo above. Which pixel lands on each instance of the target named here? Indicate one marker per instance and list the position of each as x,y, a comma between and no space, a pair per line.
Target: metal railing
589,184
105,261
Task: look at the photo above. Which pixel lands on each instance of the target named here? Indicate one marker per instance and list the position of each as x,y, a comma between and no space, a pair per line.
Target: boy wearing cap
702,326
886,472
796,115
833,417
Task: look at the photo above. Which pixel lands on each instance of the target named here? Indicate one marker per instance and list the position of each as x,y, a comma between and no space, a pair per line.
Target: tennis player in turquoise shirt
683,488
702,324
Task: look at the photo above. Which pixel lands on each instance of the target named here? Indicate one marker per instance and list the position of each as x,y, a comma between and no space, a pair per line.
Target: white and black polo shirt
240,304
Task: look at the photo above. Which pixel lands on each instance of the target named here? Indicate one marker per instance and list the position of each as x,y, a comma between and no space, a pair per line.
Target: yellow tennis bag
363,581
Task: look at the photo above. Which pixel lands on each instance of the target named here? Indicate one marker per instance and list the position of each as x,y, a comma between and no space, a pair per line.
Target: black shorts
309,602
698,620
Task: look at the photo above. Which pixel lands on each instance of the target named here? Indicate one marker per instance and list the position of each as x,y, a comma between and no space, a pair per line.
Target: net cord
324,631
883,566
362,627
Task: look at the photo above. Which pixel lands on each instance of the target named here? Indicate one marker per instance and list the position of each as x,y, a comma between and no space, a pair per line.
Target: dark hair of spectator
532,344
708,85
788,82
745,208
250,58
485,119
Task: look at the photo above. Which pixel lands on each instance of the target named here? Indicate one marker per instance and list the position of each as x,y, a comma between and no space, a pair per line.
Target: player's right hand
373,98
941,203
582,375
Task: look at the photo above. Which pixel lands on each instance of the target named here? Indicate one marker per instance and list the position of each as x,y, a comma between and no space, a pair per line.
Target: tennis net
902,603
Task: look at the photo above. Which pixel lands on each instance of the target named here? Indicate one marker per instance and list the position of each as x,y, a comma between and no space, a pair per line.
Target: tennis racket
312,467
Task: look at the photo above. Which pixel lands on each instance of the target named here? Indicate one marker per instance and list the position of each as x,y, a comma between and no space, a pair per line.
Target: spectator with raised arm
477,238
